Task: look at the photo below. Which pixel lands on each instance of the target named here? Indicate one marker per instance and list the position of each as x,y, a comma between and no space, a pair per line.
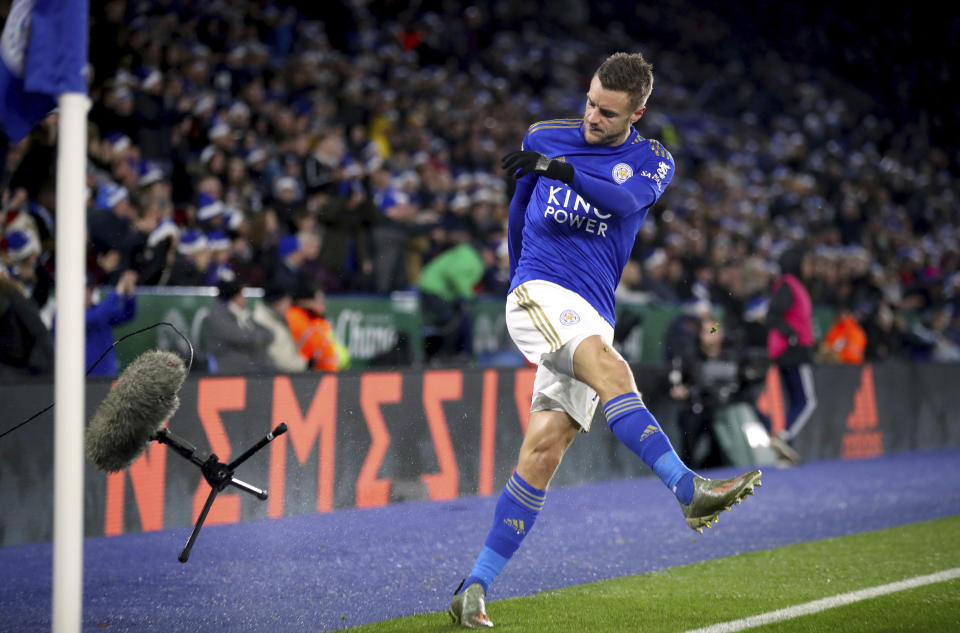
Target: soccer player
584,187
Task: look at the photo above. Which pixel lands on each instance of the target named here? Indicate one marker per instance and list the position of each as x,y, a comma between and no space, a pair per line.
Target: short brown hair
630,73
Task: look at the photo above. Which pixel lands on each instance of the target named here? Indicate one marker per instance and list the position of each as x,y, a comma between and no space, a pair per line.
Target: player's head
617,98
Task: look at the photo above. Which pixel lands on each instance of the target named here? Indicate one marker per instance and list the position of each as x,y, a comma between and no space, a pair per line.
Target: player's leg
549,433
603,368
598,364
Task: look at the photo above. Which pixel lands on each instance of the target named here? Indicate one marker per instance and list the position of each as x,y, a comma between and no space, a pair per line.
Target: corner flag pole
69,366
43,54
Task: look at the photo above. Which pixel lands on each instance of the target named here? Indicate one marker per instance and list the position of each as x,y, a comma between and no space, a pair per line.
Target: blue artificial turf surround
324,572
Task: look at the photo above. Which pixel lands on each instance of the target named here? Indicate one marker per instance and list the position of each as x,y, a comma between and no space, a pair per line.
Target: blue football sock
636,427
517,509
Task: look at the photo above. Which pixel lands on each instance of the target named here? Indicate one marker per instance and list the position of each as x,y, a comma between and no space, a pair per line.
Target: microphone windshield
136,408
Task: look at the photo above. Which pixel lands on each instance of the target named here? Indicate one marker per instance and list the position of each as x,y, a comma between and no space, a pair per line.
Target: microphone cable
96,362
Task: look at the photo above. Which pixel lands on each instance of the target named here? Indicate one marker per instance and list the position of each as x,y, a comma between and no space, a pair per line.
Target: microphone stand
217,474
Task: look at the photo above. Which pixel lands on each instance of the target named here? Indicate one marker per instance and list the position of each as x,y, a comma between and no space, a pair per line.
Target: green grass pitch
692,596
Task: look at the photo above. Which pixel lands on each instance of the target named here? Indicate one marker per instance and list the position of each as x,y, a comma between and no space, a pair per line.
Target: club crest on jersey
622,172
569,317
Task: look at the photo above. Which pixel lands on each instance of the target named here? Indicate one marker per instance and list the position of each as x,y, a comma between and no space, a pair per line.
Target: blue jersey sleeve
535,139
517,218
635,194
126,311
101,314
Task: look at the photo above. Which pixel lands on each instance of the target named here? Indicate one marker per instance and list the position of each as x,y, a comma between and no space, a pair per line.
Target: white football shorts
541,318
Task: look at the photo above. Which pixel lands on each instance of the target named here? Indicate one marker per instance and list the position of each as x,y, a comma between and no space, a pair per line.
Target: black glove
534,162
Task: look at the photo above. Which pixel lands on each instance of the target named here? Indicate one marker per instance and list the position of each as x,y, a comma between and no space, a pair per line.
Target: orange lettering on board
862,439
522,394
148,475
376,390
213,396
113,520
862,445
437,387
770,402
303,433
488,432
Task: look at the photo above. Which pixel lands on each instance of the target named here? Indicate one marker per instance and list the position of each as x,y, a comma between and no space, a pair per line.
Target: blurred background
315,187
342,147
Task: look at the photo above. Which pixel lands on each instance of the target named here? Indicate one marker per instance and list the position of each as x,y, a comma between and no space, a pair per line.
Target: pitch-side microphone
144,397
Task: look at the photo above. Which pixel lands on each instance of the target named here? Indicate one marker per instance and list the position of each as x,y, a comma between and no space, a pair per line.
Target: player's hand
521,163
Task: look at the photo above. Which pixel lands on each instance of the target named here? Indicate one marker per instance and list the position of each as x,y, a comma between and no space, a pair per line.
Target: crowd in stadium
344,147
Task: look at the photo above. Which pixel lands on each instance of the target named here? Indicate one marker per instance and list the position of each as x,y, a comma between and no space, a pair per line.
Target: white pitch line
828,603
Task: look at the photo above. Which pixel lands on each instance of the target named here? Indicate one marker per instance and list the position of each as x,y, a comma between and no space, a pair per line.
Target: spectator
32,192
26,345
392,232
156,262
703,378
287,201
210,210
155,115
312,269
496,267
757,277
22,253
271,314
133,249
446,290
191,261
314,335
790,154
655,281
119,307
629,290
219,268
933,338
885,332
729,295
346,221
287,272
235,344
111,232
845,341
109,223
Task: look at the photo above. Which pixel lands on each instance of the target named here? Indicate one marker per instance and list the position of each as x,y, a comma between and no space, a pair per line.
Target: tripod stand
217,474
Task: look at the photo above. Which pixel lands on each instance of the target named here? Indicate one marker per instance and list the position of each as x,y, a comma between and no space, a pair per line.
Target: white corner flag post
69,368
43,54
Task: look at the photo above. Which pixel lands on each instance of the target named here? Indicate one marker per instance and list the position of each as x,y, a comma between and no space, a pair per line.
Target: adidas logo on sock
516,525
647,432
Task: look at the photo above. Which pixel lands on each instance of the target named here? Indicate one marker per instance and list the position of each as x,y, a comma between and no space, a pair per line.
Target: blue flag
43,51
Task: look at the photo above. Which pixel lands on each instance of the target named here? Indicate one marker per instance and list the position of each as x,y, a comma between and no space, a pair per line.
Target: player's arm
634,195
517,217
126,312
106,311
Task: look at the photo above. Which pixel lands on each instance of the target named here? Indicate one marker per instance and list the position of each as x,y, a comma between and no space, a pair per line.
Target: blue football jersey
580,236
